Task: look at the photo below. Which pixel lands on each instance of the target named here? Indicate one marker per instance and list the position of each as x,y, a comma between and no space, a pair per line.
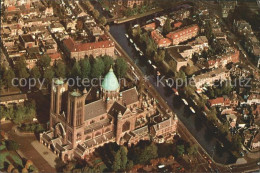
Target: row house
183,34
208,79
231,57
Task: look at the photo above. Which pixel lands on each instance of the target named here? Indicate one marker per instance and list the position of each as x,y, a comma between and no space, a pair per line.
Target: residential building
27,40
79,50
252,45
180,55
255,144
82,121
130,3
150,26
220,101
12,96
199,44
209,78
242,27
183,34
253,99
227,6
232,56
159,39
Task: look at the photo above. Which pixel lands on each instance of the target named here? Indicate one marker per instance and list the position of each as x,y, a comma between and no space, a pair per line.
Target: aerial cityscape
130,86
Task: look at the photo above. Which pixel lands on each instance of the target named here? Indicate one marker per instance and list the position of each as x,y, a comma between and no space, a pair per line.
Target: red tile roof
150,26
11,8
177,25
55,56
185,30
219,100
78,47
159,39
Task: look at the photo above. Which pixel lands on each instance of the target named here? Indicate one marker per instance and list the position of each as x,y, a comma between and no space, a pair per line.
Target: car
185,102
192,110
258,163
175,91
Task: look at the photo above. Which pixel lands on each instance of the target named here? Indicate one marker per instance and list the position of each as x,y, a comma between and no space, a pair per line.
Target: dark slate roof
94,109
13,97
141,131
130,96
116,108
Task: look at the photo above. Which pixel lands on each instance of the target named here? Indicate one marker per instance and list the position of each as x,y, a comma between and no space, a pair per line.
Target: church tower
75,116
58,100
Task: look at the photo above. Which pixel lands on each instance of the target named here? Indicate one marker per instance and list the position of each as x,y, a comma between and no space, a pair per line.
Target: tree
44,62
28,164
167,26
108,62
102,20
48,75
192,150
121,67
85,68
10,168
21,69
60,69
76,70
90,7
144,155
11,145
129,165
79,24
117,161
160,56
136,31
22,73
35,72
95,14
8,77
24,170
123,153
236,142
98,68
107,27
180,150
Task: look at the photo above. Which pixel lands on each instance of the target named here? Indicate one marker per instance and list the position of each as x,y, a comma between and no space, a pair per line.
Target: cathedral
81,121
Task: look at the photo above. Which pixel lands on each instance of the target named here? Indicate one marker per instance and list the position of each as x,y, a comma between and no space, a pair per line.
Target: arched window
126,126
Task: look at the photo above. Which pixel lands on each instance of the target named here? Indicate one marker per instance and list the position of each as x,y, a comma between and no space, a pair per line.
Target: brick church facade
81,121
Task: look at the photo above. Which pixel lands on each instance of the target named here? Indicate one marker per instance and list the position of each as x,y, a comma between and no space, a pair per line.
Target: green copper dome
110,82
